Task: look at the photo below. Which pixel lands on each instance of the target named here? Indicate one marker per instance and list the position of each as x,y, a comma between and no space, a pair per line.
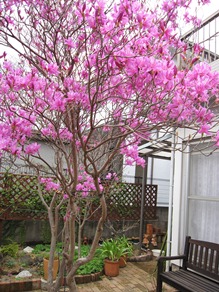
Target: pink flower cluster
86,185
50,185
132,155
32,148
111,176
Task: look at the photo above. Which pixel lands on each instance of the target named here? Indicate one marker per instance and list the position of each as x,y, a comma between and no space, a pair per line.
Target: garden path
132,278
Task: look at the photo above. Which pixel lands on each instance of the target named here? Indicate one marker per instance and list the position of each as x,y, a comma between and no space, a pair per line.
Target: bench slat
216,262
194,259
211,260
201,257
206,259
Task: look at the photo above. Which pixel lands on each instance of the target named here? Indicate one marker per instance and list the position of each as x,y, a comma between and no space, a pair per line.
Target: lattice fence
19,200
124,201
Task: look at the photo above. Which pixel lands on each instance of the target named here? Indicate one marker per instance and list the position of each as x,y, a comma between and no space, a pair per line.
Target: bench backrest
202,257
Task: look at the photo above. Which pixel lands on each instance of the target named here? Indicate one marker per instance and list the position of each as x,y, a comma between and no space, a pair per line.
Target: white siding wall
159,175
215,65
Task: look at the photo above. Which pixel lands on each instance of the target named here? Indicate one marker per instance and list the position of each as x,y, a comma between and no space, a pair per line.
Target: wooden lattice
19,200
124,201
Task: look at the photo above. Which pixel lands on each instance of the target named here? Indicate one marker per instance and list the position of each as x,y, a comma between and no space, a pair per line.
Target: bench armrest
162,259
170,258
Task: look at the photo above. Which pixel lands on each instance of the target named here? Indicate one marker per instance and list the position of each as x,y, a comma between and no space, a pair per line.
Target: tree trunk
71,284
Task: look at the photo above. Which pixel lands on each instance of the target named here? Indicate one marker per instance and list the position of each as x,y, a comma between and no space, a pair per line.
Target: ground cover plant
87,82
14,259
95,265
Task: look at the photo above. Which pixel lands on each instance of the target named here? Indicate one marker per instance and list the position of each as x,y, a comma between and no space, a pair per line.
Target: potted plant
46,265
127,250
112,253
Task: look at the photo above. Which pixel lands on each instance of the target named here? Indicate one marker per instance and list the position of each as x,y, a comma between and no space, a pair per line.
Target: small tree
92,80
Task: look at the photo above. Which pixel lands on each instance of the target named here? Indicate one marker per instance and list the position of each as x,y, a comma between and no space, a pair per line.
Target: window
203,199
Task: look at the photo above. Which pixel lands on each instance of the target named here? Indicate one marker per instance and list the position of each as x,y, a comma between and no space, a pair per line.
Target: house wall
215,65
46,152
194,208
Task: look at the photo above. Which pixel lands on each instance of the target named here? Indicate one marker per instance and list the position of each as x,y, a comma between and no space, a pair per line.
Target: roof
160,148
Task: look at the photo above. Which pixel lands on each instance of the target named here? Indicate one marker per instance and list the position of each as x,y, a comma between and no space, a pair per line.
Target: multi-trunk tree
92,79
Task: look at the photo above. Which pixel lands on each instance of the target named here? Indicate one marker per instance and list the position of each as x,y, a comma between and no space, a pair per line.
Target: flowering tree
93,79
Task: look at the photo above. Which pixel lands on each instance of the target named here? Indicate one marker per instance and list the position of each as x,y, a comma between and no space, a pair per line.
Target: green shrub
10,263
10,249
45,248
41,248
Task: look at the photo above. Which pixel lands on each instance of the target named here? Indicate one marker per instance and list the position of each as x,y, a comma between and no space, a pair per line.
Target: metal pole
144,182
170,209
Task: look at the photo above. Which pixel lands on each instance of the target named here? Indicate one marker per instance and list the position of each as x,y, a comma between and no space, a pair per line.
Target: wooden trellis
124,201
19,200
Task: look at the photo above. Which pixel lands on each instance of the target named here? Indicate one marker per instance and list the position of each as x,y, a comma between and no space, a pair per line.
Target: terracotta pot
55,268
122,261
111,268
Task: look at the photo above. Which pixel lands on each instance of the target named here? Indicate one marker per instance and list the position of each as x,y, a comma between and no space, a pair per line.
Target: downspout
170,208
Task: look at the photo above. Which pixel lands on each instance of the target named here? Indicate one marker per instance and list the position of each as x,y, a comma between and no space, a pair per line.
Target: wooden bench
199,271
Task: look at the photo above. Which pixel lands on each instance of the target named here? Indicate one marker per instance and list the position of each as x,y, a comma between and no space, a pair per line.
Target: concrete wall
39,231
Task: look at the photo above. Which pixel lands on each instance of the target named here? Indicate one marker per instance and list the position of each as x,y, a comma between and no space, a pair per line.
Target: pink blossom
32,148
109,176
65,134
65,196
112,176
50,184
58,103
79,187
53,69
129,161
204,129
69,42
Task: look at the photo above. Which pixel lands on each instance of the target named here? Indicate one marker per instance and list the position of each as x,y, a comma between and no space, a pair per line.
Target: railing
206,35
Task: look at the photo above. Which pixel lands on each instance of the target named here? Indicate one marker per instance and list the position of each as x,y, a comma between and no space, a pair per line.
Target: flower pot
55,268
111,268
158,252
122,261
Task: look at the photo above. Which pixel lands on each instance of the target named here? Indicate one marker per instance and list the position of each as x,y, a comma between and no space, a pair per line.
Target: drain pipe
170,208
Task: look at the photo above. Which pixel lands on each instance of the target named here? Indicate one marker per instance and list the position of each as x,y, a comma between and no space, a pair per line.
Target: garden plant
91,80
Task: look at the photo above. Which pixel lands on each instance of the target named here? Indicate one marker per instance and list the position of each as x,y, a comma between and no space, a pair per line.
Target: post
1,229
144,182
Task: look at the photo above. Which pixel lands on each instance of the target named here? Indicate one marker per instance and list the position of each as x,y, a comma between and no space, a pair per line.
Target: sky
202,12
208,9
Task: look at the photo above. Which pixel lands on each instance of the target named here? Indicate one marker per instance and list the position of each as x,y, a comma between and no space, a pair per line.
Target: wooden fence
19,200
